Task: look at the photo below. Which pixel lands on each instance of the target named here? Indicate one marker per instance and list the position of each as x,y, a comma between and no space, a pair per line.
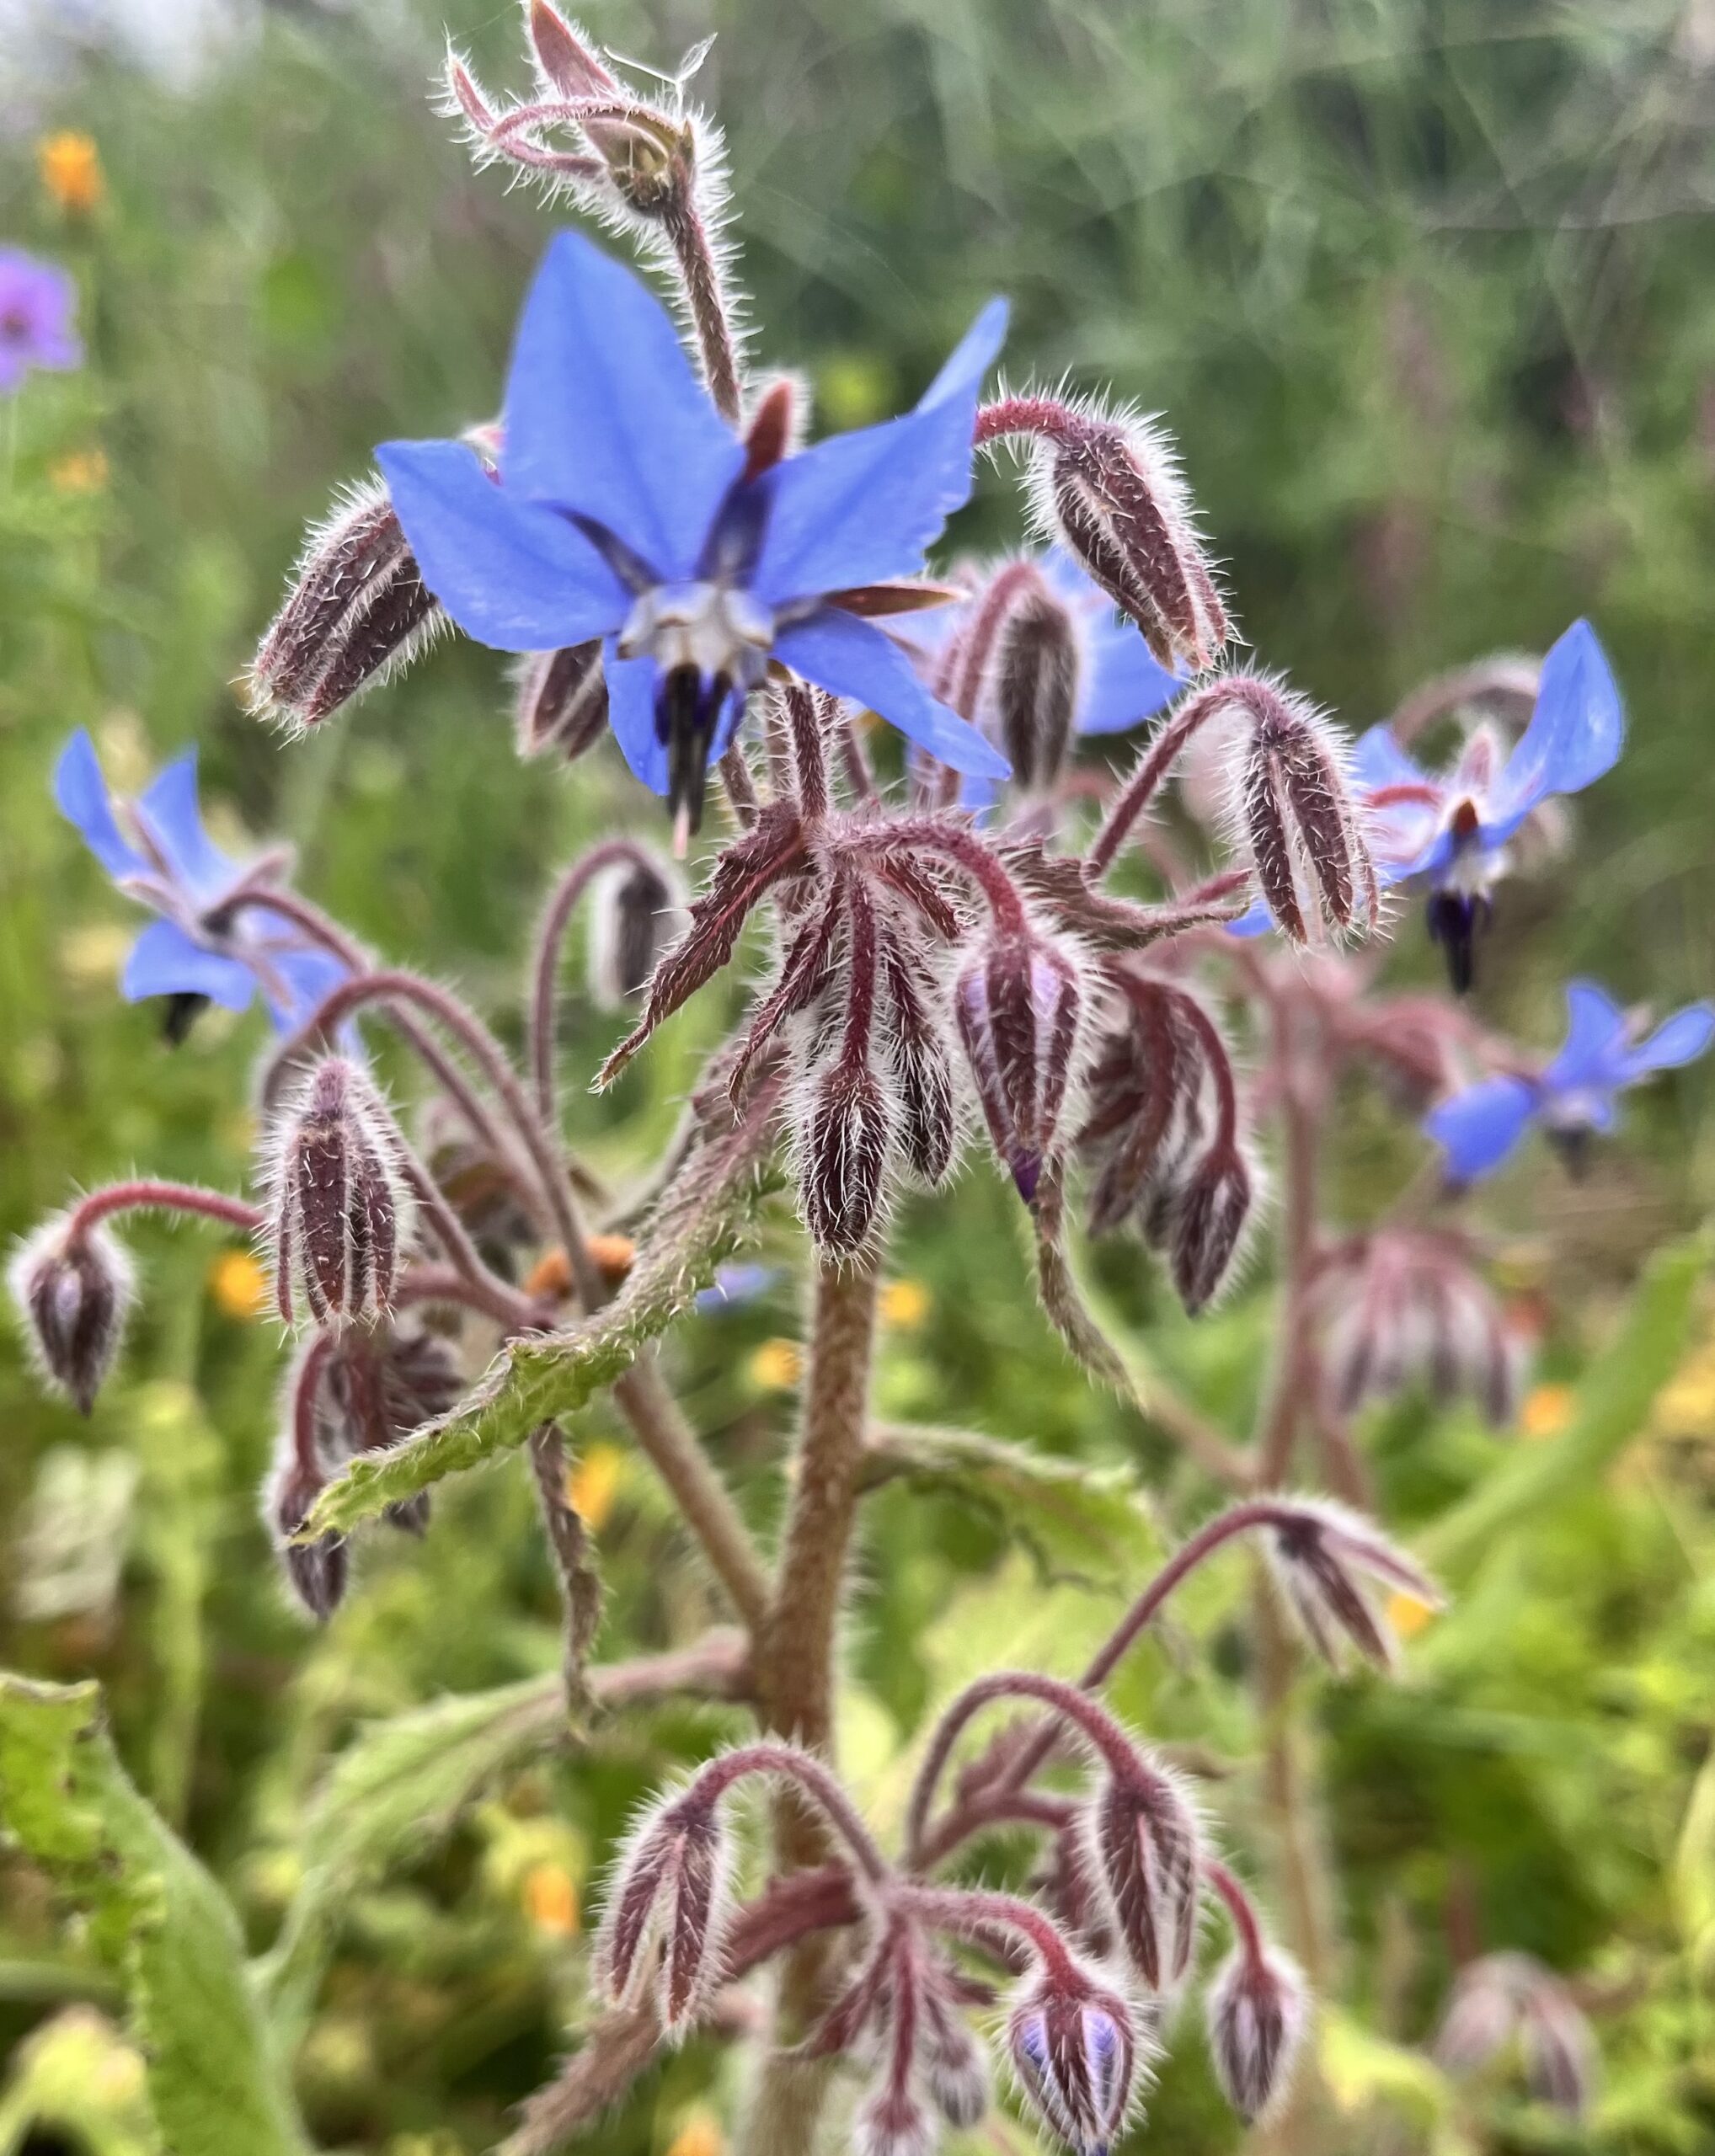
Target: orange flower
1547,1411
775,1364
70,165
1407,1614
697,2135
79,471
551,1899
593,1483
552,1274
238,1284
905,1304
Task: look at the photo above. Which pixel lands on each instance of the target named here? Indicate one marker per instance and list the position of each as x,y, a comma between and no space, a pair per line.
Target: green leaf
705,1216
214,2083
1614,1404
396,1789
1080,1522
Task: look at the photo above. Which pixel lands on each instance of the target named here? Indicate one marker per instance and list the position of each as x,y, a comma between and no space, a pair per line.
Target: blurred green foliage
1426,291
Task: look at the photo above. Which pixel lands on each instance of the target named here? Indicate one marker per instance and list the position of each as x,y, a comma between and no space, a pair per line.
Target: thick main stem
795,1664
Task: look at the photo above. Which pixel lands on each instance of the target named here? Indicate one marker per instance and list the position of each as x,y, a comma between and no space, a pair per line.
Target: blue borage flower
205,946
1455,829
38,301
1575,1096
626,508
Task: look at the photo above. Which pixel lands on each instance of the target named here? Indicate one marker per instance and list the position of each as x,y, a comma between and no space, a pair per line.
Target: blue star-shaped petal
1576,1095
211,943
627,509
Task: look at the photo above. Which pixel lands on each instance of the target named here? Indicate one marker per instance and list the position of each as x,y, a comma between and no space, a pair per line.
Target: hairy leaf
1613,1406
702,1218
214,2083
396,1791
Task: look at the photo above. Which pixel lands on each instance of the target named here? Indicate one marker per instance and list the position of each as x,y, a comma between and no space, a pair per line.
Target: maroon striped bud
1403,1307
562,702
1321,1558
666,1911
357,611
378,1387
1146,1843
342,1213
1295,809
922,1067
1559,2050
1257,2010
637,911
73,1293
1502,1997
1208,1215
1113,493
843,1142
1075,2049
1035,685
1020,1003
317,1571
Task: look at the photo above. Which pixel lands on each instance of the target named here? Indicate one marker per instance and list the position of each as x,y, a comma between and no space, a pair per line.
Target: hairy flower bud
893,2123
637,911
666,1911
955,2065
1145,1848
73,1293
1559,2050
1018,1004
847,1130
317,1571
1404,1306
1209,1218
1112,492
341,1213
1257,2009
922,1067
1074,2050
1500,1997
1320,1558
1035,685
562,702
357,610
1294,808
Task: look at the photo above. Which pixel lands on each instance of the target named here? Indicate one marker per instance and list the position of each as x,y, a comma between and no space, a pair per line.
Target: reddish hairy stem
544,971
1091,1720
1164,750
1045,416
306,1382
146,1195
975,1914
1240,1908
810,1776
959,846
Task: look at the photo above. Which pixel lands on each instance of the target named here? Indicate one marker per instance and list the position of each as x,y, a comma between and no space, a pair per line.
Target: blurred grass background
1427,292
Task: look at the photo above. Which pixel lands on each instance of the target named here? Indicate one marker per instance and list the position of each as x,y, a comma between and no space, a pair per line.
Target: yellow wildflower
70,165
775,1364
79,471
698,2135
1407,1614
551,1899
905,1304
238,1284
1547,1411
593,1483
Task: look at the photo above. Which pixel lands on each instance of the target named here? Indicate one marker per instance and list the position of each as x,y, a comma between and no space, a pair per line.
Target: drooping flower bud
561,707
73,1293
1145,1846
922,1068
847,1129
1257,2009
955,2065
1035,685
1500,1996
1320,1558
637,911
1075,2048
1559,2050
892,2122
342,1212
1020,1003
357,611
1405,1306
1209,1214
317,1571
1294,808
1113,493
666,1911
